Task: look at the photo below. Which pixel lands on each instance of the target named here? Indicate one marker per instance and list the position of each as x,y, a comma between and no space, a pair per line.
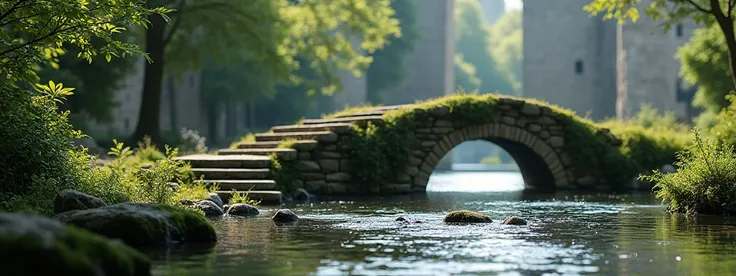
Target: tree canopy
270,34
472,40
34,32
506,37
387,69
705,62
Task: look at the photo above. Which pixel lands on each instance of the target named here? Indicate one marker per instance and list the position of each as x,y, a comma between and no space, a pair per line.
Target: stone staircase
248,166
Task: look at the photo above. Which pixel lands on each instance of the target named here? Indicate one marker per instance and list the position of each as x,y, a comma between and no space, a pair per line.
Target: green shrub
724,129
237,197
38,160
705,182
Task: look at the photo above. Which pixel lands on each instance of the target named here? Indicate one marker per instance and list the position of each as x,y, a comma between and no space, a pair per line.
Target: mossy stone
142,224
465,216
514,220
31,244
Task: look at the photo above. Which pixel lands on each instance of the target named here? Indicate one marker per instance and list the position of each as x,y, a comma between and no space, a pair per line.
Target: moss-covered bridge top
394,149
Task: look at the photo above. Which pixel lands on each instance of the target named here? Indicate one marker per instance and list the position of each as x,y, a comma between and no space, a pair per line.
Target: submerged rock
400,219
242,210
466,216
68,200
216,199
209,208
140,224
34,245
514,220
285,215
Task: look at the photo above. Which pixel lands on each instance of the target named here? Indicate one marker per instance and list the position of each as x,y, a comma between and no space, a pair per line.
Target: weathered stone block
508,120
312,176
412,171
544,134
530,109
330,154
442,130
340,176
534,128
329,165
586,181
443,123
305,156
428,144
329,147
544,120
307,166
328,138
413,161
402,177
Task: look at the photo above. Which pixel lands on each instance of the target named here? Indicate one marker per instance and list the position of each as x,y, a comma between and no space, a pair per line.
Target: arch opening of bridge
535,160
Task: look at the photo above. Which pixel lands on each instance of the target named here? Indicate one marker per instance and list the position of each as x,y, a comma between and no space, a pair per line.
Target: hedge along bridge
394,149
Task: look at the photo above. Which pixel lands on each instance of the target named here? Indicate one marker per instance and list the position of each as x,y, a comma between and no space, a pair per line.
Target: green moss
284,173
350,110
464,216
74,252
248,138
194,227
381,152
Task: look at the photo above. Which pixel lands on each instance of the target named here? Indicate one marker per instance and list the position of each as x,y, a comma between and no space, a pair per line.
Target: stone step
266,197
227,161
282,153
299,145
320,136
360,121
231,173
241,184
335,127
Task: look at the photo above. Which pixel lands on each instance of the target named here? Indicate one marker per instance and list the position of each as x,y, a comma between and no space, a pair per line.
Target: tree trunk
149,115
725,21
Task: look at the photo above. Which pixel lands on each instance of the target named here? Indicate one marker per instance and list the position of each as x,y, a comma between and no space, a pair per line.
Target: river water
568,234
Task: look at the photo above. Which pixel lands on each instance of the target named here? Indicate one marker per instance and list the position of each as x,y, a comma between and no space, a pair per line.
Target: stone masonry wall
529,132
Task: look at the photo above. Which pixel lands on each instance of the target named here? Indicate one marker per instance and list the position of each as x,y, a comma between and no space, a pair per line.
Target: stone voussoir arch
537,159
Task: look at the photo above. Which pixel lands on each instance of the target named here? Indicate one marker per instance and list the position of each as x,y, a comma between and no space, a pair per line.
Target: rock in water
68,200
514,220
466,216
285,215
216,199
142,224
34,245
209,208
400,219
242,210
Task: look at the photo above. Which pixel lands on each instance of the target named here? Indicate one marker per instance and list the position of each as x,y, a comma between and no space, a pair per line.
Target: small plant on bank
250,137
237,197
705,182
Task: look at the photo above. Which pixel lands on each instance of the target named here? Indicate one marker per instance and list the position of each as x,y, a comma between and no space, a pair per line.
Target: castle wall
568,60
649,71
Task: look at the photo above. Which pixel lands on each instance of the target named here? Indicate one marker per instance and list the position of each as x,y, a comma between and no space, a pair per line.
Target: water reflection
573,234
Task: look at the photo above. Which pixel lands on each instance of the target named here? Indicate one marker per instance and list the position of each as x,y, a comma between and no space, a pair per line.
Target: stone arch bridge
322,162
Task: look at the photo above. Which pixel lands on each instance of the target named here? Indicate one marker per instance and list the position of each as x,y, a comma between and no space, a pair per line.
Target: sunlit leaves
32,27
56,91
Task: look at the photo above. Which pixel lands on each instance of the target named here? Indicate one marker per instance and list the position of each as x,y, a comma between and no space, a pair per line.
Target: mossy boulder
514,220
34,245
68,200
285,216
143,224
464,216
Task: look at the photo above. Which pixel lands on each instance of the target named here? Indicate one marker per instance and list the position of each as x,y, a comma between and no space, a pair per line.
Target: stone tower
648,71
569,57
